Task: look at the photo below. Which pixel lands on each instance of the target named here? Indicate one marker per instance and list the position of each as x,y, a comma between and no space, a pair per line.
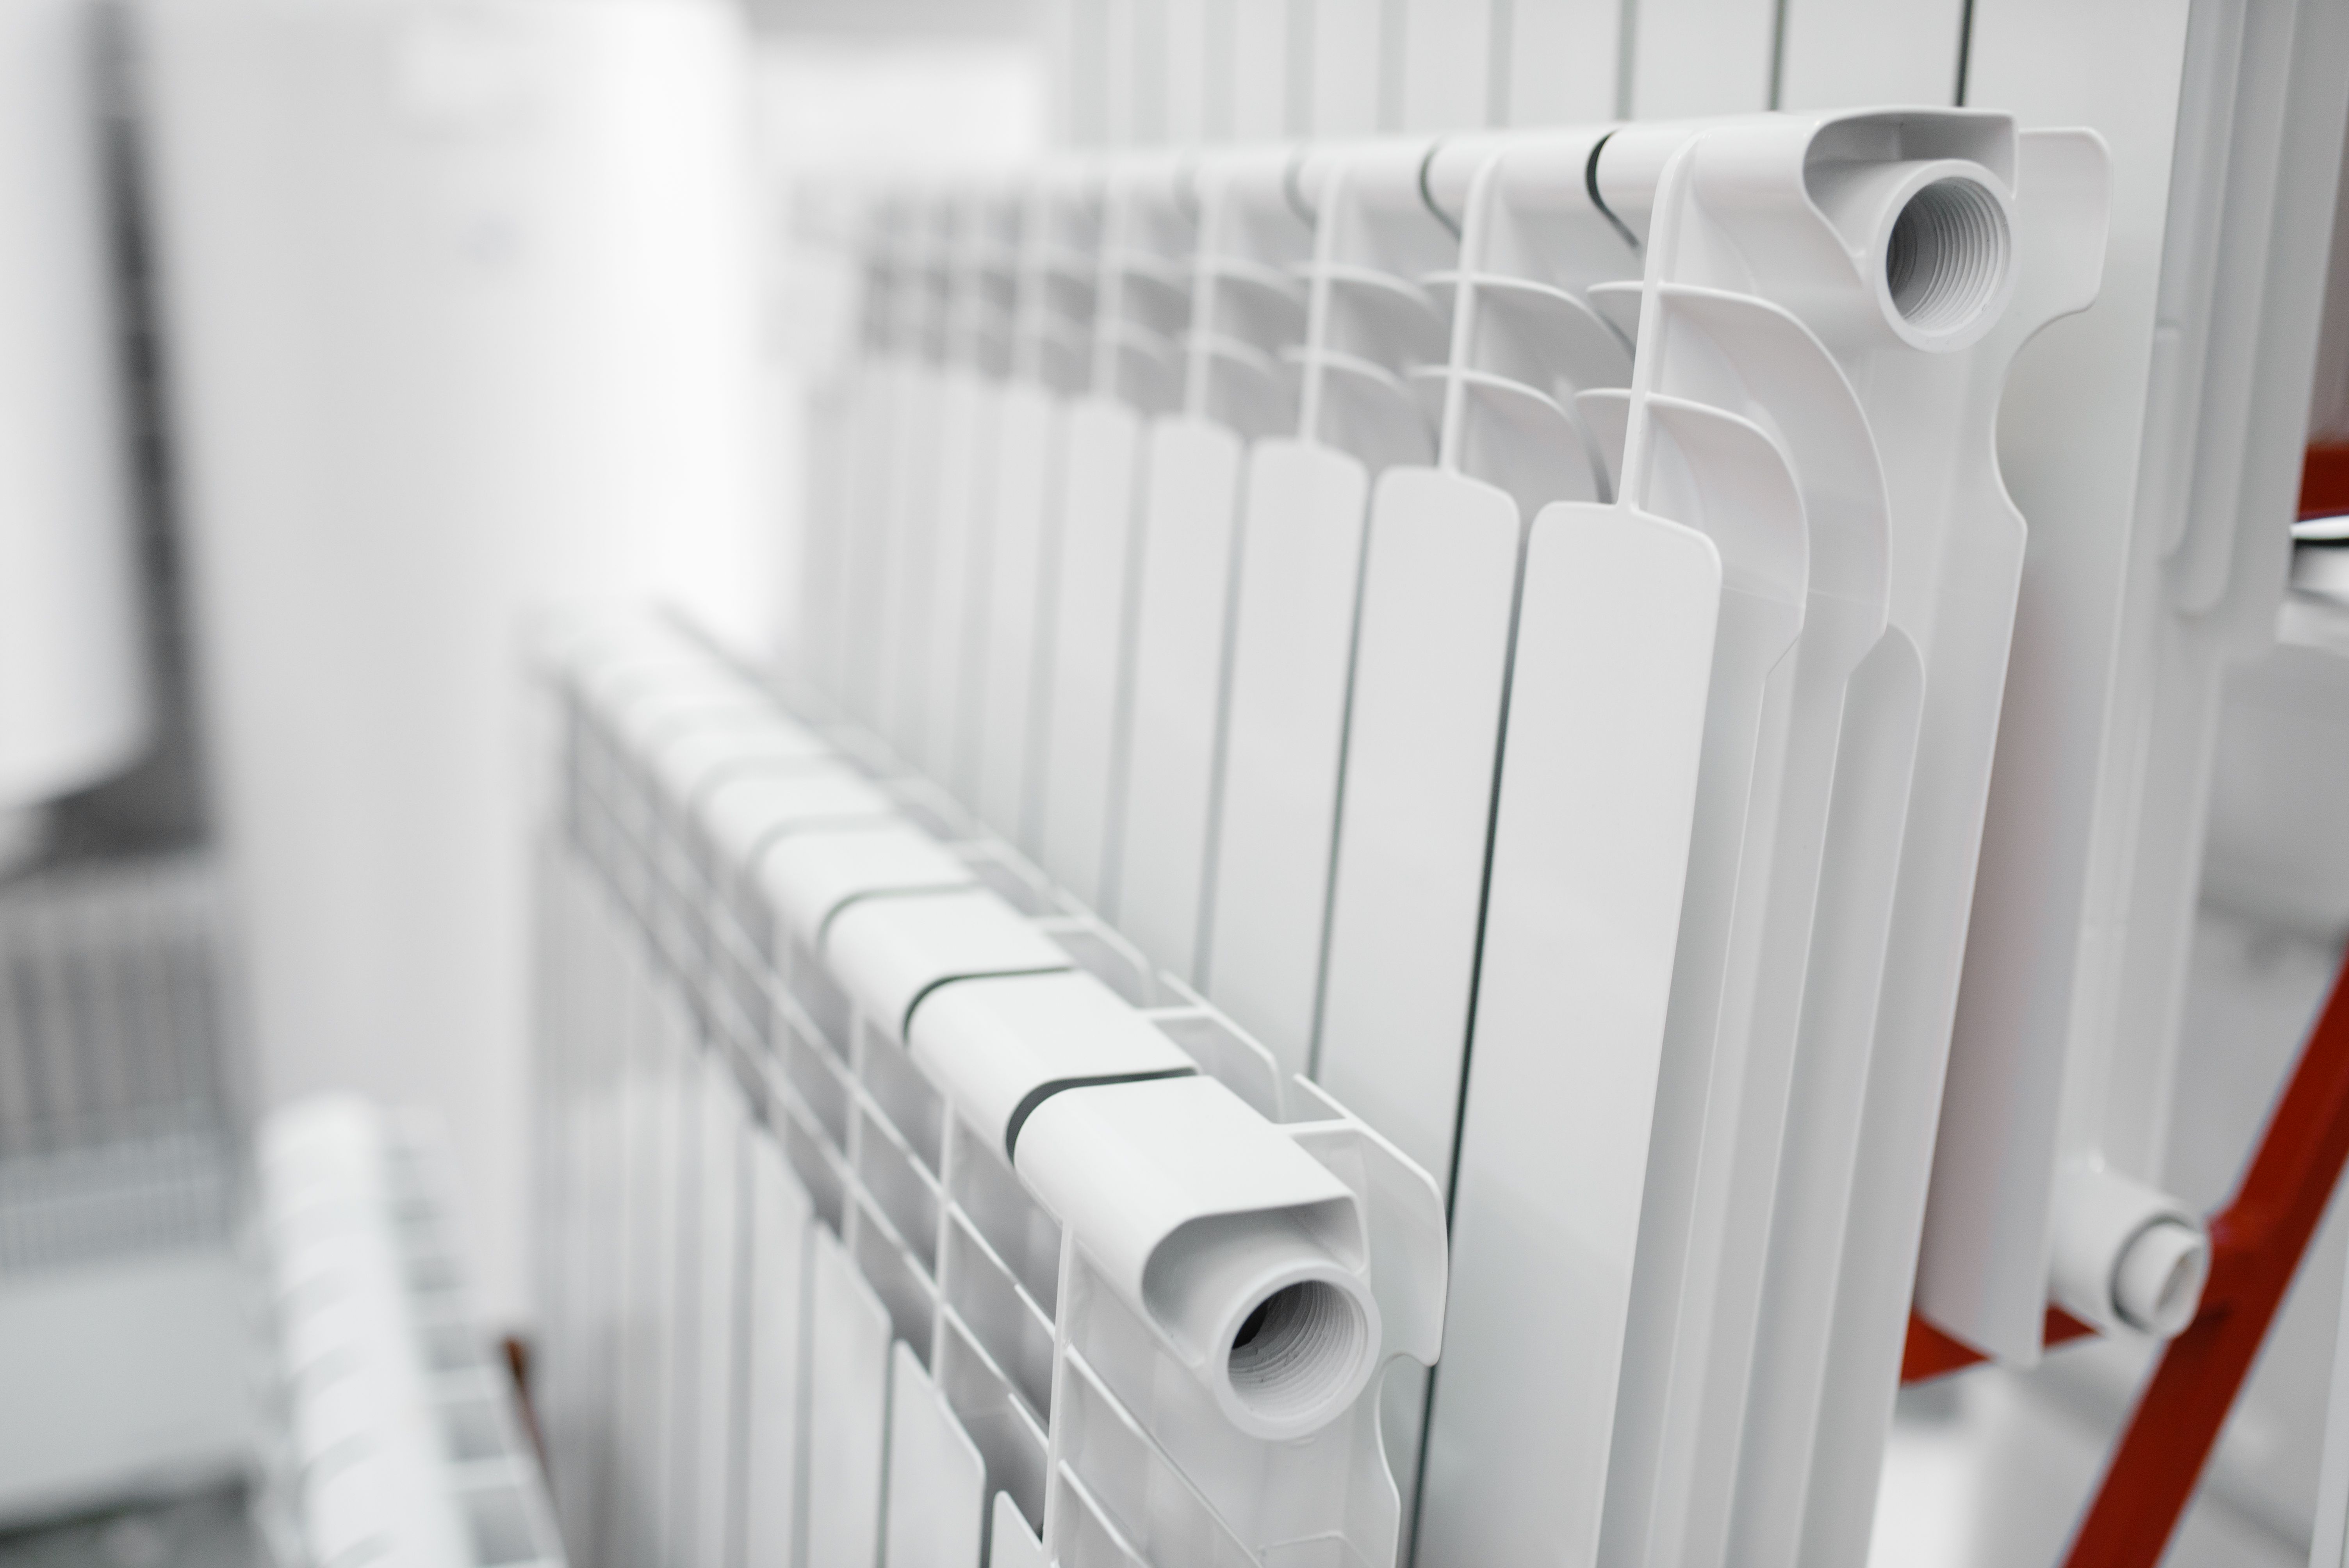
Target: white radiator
2153,444
895,1211
393,1436
121,1340
1517,623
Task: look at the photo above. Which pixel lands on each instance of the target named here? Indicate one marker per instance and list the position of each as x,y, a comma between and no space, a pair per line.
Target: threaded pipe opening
1298,1346
1947,256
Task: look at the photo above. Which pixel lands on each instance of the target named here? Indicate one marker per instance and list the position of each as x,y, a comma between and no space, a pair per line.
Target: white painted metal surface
1090,1260
2183,465
1743,374
1371,321
403,1438
1539,673
1248,313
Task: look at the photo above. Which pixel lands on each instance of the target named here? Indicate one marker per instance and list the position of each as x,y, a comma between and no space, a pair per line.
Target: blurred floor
208,1530
1987,1470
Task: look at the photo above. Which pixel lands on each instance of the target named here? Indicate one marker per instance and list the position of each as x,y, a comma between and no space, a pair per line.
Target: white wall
462,315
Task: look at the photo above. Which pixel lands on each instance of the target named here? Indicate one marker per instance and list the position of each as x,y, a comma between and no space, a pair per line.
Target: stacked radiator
393,1438
898,1213
1518,625
117,1121
121,1346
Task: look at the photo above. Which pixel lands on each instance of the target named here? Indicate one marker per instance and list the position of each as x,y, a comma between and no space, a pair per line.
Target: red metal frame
2256,1244
2324,480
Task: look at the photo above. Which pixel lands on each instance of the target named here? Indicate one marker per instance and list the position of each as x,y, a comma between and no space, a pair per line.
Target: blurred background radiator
120,1153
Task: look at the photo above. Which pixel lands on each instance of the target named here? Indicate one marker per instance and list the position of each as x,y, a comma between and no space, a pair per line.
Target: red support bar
2324,480
1932,1353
